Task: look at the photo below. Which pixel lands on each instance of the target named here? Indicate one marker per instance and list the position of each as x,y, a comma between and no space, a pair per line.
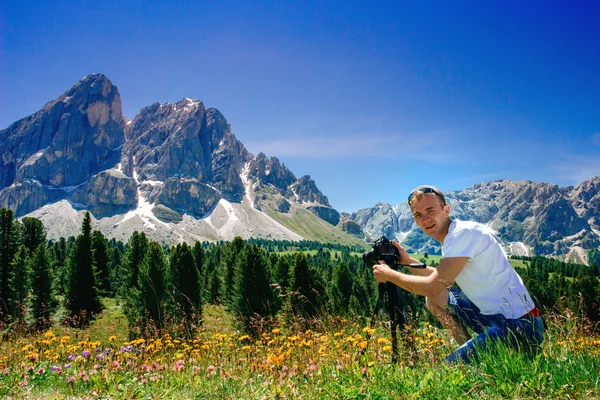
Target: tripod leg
376,311
393,304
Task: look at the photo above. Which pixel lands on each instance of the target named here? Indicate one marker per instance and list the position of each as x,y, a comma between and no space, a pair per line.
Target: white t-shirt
487,278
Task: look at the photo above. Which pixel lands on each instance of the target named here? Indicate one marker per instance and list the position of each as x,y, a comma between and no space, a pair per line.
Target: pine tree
229,255
134,255
20,283
211,292
252,292
9,243
43,302
82,297
186,286
153,283
586,290
58,256
306,288
99,247
198,253
115,271
33,233
341,288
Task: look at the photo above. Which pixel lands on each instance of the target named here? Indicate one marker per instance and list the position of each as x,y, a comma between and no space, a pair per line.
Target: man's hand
404,257
382,272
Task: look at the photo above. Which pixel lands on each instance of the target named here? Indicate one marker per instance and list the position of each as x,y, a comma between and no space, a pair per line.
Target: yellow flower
49,335
387,348
275,331
242,338
363,344
112,338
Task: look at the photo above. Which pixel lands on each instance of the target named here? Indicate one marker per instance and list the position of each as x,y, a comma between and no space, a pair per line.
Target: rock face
63,145
174,164
547,219
326,213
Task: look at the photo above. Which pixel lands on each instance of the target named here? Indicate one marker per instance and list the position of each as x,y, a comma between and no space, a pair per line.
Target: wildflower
179,365
71,379
211,369
245,337
100,356
71,357
40,371
23,383
112,338
275,331
85,353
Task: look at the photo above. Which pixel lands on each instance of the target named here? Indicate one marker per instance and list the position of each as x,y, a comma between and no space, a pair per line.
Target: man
492,299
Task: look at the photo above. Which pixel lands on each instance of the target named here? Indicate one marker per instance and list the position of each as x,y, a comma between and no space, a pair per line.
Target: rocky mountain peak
270,171
305,191
61,146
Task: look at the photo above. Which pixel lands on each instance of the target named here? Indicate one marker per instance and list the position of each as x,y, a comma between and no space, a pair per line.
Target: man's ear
447,210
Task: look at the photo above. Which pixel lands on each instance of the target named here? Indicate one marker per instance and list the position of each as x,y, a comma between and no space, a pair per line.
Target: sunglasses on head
426,190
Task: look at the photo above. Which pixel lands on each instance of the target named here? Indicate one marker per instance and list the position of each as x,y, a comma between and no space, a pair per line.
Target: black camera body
383,250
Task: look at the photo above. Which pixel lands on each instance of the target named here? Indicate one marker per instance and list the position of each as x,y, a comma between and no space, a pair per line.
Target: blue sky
368,98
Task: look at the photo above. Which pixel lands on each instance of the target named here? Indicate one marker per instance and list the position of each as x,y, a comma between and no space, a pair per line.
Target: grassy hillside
304,222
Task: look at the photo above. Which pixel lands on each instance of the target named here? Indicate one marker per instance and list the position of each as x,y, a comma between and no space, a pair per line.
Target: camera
383,250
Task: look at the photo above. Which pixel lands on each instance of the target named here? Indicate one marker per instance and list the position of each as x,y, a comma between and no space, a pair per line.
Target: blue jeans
525,333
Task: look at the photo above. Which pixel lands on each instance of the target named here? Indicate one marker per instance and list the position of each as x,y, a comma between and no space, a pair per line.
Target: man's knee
437,303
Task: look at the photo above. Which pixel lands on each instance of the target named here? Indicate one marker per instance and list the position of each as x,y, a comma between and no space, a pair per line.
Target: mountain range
178,173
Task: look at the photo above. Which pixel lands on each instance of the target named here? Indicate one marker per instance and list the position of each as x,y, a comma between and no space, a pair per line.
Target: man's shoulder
458,227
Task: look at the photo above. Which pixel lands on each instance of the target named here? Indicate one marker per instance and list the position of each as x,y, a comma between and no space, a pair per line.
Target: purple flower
71,357
85,353
100,356
68,365
54,368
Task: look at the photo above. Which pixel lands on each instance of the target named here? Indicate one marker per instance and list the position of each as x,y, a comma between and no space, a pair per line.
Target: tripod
392,294
396,304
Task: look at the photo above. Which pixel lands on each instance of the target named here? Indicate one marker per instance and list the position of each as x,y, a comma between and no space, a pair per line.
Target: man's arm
431,285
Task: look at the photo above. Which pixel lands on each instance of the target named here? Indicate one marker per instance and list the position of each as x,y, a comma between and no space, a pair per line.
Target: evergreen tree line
558,285
165,288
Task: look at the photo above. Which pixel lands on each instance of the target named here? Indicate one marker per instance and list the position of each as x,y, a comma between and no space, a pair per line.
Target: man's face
431,216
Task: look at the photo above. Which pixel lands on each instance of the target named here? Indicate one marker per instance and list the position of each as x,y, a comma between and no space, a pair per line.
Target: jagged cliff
176,172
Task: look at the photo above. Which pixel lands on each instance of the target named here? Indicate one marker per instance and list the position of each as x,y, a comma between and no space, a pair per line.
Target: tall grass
337,359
